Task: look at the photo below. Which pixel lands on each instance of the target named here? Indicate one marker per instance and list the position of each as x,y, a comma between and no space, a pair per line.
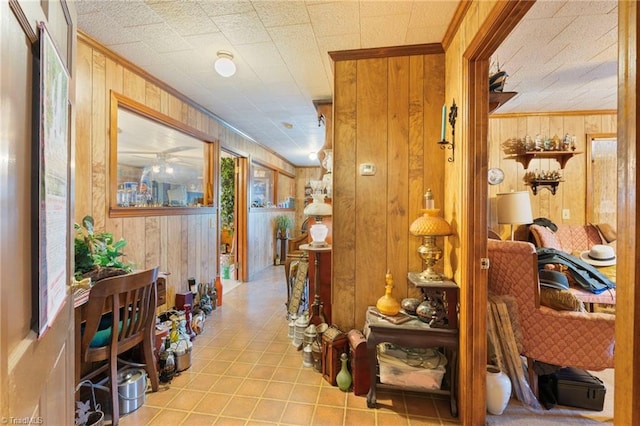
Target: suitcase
359,362
578,388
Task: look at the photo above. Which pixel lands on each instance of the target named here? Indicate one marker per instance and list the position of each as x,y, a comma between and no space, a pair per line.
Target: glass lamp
318,209
429,226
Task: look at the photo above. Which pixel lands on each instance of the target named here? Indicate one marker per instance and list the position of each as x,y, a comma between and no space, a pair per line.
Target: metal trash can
132,385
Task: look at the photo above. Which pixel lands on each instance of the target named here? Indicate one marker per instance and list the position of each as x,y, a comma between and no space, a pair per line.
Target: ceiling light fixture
313,155
224,64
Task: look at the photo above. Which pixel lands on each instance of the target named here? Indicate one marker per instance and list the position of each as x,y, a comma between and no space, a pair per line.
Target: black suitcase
578,388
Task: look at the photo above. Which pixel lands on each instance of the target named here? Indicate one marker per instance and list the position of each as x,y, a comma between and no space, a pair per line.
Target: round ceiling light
313,155
224,64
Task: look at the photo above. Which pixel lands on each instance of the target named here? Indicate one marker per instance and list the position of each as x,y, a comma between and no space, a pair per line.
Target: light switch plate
367,169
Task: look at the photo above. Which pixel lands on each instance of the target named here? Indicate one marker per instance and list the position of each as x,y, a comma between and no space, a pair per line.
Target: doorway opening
232,219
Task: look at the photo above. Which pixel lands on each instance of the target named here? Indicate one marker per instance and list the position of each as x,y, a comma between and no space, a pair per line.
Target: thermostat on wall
367,169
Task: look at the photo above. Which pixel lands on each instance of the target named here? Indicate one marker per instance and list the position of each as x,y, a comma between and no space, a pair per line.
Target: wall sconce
224,64
453,114
429,226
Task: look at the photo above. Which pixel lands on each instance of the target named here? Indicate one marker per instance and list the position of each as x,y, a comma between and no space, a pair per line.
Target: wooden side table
418,334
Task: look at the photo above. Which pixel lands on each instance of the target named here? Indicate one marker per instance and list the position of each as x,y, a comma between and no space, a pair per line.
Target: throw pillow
560,300
544,237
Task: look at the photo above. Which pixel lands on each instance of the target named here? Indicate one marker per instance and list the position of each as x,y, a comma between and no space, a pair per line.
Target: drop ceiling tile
184,18
160,37
335,18
225,7
427,13
373,37
582,8
110,31
385,8
281,13
130,13
242,28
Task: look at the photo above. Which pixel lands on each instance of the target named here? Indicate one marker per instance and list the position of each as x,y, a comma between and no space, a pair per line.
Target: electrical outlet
566,214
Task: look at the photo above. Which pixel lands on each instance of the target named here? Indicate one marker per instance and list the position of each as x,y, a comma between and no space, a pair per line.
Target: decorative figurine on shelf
387,304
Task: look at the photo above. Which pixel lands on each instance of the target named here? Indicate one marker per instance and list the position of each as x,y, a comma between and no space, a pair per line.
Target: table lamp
514,208
429,226
318,209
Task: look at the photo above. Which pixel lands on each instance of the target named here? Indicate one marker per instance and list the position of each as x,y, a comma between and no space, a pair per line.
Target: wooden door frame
497,26
627,371
473,236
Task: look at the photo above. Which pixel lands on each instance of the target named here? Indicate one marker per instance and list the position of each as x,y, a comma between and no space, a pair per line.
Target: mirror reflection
157,165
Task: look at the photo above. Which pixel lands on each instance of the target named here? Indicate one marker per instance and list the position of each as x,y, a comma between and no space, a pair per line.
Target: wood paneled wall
571,194
387,111
185,246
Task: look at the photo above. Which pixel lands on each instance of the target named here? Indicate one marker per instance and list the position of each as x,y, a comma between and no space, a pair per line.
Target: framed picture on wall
50,194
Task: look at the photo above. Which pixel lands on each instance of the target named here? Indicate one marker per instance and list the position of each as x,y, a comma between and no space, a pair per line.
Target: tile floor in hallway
245,371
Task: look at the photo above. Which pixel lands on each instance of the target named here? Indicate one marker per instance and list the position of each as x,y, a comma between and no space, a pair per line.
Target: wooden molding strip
553,113
387,52
455,23
94,44
23,21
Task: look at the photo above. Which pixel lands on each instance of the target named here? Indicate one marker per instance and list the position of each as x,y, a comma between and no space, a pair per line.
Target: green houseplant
283,224
96,254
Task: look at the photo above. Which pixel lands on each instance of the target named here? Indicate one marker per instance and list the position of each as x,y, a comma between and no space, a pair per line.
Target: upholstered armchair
563,338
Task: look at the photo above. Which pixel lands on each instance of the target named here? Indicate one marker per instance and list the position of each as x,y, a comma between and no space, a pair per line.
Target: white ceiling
562,56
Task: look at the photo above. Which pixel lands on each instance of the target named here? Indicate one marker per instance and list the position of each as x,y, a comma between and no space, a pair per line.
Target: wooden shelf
496,99
550,184
561,156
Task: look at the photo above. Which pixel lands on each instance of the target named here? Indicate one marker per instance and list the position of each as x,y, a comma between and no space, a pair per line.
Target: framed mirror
159,166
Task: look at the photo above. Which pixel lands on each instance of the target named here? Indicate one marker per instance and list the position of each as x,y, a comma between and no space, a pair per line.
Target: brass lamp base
430,254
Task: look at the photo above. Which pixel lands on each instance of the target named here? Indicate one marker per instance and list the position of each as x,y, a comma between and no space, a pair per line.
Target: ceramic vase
343,378
498,390
387,304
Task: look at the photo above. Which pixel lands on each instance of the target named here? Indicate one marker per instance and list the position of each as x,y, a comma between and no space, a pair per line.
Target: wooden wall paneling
133,229
113,82
152,241
174,257
371,191
435,158
133,85
152,96
99,140
572,192
183,242
193,248
416,158
83,187
397,238
592,124
345,170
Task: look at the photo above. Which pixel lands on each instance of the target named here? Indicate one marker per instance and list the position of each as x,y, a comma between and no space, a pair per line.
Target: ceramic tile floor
245,371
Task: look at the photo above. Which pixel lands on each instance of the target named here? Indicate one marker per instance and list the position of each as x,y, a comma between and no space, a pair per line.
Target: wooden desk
417,334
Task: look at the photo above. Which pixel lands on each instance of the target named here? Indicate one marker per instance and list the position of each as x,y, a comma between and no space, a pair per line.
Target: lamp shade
430,224
514,208
318,207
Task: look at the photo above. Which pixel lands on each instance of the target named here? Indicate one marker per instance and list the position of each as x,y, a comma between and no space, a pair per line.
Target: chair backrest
514,271
132,301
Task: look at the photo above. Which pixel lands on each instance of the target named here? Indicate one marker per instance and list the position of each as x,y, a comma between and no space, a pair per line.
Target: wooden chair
131,300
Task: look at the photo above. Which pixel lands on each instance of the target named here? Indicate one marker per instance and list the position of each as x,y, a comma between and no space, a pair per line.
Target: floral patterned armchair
563,338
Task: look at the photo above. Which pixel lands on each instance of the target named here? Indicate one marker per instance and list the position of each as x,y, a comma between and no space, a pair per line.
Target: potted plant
283,224
96,254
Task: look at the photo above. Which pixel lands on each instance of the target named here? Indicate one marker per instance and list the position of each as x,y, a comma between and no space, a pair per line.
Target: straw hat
599,255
